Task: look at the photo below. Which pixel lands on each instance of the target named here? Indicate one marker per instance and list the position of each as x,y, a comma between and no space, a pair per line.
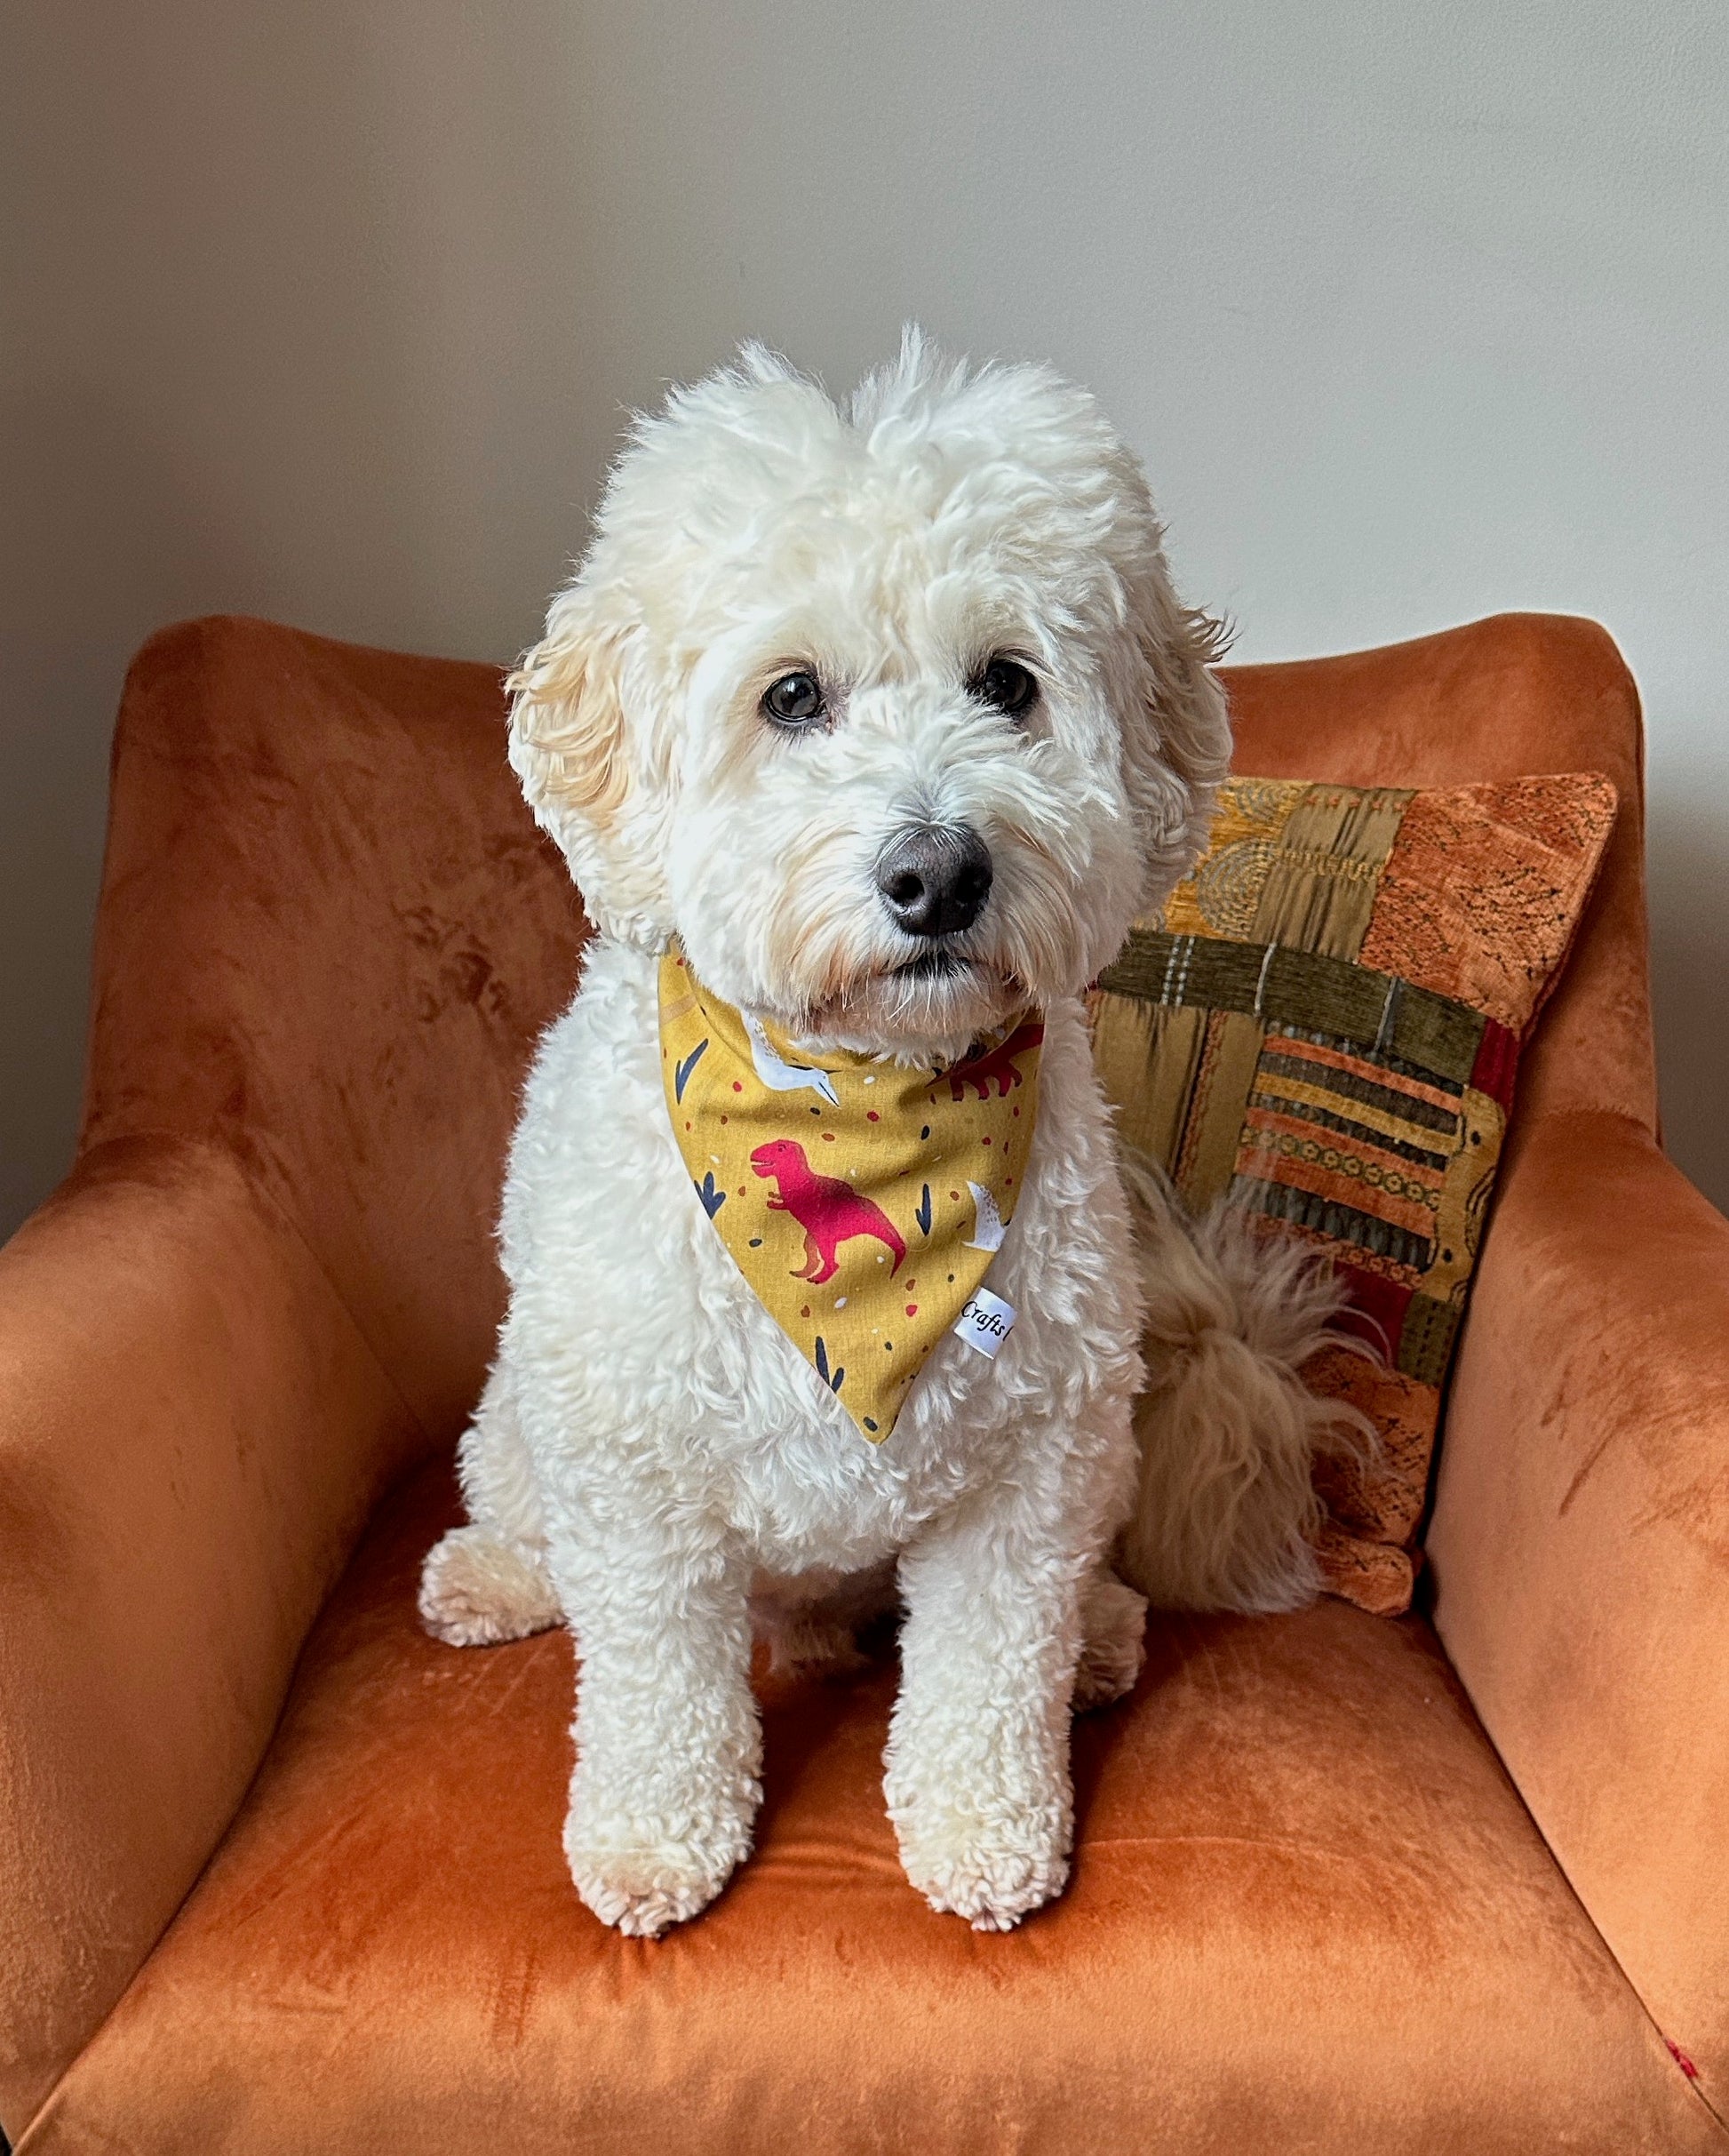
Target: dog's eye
795,701
1005,685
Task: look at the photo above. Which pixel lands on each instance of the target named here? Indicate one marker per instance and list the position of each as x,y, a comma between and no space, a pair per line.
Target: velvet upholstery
1311,1910
1310,1913
1581,1546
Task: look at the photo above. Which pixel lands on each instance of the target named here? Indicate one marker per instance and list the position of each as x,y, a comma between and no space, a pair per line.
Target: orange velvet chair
277,1873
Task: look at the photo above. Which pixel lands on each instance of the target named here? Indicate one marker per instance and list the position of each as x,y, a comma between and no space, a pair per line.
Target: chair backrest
330,933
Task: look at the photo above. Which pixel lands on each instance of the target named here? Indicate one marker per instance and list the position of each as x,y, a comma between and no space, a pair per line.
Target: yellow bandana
863,1202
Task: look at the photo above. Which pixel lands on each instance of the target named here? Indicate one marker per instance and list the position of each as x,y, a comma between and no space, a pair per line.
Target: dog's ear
1180,750
596,775
567,725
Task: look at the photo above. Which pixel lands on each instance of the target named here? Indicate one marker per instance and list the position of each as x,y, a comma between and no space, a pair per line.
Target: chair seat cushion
1308,1912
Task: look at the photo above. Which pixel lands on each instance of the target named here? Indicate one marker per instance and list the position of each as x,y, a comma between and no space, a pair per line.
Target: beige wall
328,312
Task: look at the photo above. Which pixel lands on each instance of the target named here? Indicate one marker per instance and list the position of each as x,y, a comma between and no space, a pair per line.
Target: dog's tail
1226,1512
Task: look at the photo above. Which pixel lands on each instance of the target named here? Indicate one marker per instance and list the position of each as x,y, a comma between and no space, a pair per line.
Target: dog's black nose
935,878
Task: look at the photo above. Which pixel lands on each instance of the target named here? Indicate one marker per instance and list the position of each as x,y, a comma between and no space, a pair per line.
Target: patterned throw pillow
1324,1027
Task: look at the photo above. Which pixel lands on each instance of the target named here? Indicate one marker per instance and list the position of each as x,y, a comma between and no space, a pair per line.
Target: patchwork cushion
1323,1027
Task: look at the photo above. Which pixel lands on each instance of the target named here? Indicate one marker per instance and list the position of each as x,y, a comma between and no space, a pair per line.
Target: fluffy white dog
804,639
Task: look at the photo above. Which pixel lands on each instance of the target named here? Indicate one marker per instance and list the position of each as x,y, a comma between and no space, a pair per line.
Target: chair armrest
1581,1546
192,1433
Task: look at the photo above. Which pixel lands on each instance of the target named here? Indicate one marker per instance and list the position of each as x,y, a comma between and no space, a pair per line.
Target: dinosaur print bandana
861,1201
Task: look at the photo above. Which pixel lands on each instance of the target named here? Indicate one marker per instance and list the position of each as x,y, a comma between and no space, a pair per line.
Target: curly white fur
651,1451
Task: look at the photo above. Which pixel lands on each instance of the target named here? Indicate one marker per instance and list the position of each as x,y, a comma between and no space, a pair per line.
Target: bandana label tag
986,1321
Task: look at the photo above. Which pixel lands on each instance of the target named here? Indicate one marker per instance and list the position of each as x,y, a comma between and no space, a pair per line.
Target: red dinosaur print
996,1067
829,1210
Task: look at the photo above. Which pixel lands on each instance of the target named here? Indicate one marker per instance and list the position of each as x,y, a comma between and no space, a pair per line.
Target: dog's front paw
643,1887
475,1592
992,1876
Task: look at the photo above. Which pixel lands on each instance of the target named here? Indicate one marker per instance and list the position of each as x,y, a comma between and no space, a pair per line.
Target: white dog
887,716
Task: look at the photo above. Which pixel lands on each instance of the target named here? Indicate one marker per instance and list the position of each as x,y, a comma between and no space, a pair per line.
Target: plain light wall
330,312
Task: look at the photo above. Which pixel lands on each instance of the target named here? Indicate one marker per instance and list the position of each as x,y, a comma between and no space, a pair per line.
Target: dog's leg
668,1743
978,1751
487,1582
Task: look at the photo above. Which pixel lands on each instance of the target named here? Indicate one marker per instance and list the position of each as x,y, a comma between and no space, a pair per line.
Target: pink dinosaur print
829,1210
996,1067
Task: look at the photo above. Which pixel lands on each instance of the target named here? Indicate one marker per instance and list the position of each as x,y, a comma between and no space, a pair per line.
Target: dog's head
889,714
